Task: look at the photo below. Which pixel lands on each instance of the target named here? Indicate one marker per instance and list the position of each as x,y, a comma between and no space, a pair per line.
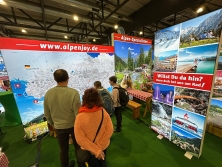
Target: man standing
61,105
115,97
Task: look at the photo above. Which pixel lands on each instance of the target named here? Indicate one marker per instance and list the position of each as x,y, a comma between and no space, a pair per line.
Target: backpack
107,101
123,96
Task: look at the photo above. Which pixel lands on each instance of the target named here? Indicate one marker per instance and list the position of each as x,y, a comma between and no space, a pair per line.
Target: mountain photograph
202,30
185,141
133,62
215,114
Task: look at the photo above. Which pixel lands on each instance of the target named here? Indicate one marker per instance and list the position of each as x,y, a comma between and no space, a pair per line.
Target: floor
136,146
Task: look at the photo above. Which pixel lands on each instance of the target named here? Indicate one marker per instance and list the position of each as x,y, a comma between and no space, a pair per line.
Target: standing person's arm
76,103
47,112
114,96
107,133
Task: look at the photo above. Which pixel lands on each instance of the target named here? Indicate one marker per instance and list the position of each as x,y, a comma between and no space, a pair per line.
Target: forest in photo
135,68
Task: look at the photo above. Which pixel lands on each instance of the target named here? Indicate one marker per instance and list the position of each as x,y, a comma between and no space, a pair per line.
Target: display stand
160,137
183,76
32,79
12,117
188,155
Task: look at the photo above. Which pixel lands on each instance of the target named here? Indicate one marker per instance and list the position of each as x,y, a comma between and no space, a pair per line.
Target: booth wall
133,60
184,64
30,65
215,112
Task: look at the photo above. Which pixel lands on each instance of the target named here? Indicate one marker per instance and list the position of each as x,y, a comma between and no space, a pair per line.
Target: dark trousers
94,162
118,115
63,140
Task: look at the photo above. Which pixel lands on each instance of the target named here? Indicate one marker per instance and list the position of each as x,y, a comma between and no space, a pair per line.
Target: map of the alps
31,75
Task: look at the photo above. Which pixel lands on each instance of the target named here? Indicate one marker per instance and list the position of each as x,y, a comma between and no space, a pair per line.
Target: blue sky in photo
196,22
182,133
172,28
197,119
163,55
164,87
122,48
198,52
216,102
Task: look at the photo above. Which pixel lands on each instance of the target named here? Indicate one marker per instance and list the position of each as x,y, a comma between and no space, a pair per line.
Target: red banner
126,38
188,80
23,44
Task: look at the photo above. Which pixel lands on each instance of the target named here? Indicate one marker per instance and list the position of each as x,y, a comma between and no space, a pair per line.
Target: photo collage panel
189,47
215,112
217,91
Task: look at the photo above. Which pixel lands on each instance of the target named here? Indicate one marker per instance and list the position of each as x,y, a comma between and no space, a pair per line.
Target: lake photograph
200,59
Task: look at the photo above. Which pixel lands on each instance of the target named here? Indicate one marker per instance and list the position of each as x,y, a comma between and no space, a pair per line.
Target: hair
113,79
97,84
91,98
61,75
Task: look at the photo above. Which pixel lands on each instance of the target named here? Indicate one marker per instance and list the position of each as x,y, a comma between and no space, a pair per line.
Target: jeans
63,140
118,115
94,162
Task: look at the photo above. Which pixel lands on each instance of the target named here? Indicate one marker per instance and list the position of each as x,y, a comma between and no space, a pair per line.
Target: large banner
30,65
184,64
133,61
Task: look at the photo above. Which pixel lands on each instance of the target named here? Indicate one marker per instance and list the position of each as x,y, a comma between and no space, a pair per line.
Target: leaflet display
184,65
30,65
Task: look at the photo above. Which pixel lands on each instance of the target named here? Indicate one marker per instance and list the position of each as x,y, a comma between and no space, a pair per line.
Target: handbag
84,155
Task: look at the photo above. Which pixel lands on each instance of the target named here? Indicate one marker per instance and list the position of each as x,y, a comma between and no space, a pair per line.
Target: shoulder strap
99,127
116,87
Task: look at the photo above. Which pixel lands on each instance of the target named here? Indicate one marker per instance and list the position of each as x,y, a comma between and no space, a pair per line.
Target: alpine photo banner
184,64
30,65
133,61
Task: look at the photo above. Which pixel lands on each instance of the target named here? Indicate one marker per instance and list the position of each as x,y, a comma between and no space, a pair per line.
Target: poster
185,57
133,61
4,79
30,65
215,112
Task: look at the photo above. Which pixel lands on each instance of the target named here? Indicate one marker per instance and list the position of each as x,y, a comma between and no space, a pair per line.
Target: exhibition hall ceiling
93,21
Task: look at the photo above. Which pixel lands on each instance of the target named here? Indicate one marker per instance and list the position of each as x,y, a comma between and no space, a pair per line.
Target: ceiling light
116,26
65,37
141,32
200,10
23,30
94,40
75,18
2,2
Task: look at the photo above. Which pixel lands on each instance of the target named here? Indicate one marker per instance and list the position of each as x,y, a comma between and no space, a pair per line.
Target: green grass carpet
135,146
